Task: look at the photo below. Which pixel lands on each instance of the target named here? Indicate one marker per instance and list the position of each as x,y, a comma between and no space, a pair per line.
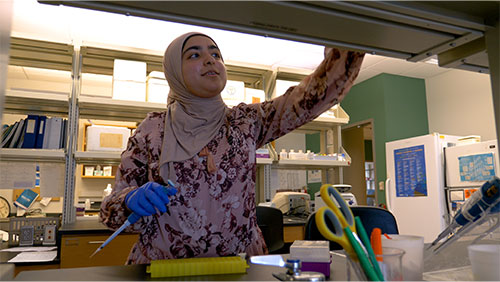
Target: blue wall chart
411,179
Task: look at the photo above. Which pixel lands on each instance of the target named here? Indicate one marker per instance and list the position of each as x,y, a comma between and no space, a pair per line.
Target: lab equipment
292,202
313,255
133,218
293,267
196,266
344,223
415,185
480,204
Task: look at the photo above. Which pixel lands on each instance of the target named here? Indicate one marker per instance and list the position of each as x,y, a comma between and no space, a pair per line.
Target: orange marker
376,241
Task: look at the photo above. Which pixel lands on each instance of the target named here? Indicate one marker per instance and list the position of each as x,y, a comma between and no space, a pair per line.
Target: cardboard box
107,138
233,93
129,70
157,88
129,90
254,95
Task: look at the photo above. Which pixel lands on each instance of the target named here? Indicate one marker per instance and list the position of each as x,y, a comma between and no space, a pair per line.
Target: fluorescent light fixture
82,26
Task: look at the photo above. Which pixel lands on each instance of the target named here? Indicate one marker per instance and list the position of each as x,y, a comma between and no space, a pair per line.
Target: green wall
397,106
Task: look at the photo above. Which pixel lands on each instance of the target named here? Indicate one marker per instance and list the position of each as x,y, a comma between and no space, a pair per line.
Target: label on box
110,140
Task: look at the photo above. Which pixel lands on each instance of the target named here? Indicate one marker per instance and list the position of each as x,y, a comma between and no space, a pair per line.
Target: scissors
340,218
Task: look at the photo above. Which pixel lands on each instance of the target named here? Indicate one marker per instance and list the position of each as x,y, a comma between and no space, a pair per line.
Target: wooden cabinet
76,250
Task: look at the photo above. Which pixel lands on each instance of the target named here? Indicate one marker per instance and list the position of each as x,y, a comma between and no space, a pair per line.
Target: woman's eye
216,55
194,55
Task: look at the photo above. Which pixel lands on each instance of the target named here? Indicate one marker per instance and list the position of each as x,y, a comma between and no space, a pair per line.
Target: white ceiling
78,26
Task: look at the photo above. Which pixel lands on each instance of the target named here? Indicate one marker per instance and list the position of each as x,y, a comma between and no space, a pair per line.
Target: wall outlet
49,235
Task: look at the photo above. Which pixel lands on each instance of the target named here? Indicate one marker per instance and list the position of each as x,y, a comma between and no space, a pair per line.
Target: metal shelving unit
80,59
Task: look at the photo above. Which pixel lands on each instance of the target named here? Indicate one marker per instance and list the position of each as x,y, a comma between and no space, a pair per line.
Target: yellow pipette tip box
196,266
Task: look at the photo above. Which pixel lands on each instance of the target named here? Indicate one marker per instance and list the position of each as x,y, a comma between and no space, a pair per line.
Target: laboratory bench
82,237
293,228
338,272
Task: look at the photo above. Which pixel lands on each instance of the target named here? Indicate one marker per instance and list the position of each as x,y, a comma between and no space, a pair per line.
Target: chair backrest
270,222
371,217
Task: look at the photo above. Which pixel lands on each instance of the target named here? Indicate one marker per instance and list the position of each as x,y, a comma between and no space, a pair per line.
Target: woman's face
203,70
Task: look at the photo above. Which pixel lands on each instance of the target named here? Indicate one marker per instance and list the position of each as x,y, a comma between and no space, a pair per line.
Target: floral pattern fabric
213,214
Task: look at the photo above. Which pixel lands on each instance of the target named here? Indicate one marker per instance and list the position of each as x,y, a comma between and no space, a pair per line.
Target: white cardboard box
107,138
129,70
157,90
129,90
233,93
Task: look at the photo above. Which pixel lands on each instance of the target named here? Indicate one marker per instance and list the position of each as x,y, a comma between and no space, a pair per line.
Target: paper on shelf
29,249
34,257
16,175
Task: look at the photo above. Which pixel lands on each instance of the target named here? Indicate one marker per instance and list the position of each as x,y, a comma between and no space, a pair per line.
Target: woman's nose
209,60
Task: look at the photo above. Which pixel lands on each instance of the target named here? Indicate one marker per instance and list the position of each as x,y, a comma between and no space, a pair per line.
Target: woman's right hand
149,198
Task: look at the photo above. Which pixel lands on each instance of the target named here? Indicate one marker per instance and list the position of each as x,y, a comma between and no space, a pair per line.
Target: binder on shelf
62,137
17,135
41,132
9,133
32,123
45,142
54,135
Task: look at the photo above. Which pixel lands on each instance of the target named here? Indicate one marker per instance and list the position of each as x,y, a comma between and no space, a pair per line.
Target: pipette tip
96,251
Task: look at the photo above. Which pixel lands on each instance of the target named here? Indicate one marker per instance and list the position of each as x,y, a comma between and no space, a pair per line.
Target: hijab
191,121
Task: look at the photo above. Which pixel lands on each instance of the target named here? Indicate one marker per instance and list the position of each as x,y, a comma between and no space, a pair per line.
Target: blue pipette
473,208
131,219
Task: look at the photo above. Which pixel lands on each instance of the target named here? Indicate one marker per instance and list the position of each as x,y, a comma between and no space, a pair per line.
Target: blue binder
41,132
31,131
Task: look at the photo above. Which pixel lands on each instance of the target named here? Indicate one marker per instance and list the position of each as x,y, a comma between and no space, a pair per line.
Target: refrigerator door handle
388,198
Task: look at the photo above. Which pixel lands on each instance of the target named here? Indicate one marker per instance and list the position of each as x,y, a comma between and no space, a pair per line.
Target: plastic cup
485,261
413,260
391,264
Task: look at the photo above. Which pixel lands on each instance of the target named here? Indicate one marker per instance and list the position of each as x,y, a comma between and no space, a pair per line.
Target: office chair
371,217
270,222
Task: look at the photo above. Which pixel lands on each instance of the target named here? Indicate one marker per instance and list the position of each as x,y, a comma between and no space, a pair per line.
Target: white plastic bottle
283,154
309,155
107,191
300,155
292,155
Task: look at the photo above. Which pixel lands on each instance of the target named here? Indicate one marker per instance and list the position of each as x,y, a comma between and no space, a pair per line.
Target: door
353,143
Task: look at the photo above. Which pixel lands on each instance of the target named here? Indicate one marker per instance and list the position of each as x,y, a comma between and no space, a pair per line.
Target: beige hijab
191,122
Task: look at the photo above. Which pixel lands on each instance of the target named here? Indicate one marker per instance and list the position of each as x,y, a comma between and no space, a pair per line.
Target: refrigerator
415,184
467,168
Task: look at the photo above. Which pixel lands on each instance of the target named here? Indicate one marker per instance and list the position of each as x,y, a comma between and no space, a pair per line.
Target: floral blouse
213,214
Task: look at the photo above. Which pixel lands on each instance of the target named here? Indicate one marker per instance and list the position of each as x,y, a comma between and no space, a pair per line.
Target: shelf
35,102
98,177
111,109
312,163
32,154
95,156
264,161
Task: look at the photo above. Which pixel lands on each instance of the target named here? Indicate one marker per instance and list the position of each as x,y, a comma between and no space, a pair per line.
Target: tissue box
107,138
314,255
157,88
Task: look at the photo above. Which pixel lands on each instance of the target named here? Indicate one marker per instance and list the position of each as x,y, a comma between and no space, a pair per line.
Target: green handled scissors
340,218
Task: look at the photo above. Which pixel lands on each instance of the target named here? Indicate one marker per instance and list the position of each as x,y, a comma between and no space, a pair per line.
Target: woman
208,150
